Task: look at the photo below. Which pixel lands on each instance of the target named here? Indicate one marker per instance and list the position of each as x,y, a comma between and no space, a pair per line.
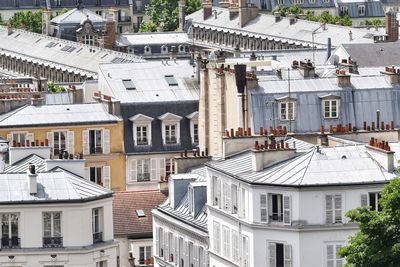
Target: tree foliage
373,22
377,243
164,14
28,20
54,88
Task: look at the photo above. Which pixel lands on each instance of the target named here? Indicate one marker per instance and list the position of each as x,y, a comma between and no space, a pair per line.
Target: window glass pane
57,224
47,224
5,226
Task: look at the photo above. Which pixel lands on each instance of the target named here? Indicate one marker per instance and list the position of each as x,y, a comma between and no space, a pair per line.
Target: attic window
68,48
171,80
51,44
140,213
129,85
344,157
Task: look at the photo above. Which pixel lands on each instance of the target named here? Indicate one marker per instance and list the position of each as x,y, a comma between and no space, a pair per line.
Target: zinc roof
76,16
58,115
23,164
153,38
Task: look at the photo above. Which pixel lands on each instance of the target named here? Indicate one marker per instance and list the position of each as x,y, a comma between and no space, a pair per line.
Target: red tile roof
126,221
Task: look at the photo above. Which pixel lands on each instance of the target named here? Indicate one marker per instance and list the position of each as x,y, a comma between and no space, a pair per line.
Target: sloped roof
332,166
126,221
153,38
23,164
54,186
58,115
76,16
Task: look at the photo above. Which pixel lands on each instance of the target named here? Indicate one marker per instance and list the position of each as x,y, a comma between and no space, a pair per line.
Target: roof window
129,85
140,213
171,80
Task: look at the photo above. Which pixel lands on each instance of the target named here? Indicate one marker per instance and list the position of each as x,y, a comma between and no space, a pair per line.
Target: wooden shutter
106,141
364,200
50,138
30,137
338,208
287,210
133,170
87,173
288,255
272,254
162,168
329,209
107,177
85,142
263,208
153,170
70,142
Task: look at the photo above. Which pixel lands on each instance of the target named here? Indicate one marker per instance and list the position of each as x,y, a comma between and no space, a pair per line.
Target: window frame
328,103
98,149
52,224
141,170
361,8
335,260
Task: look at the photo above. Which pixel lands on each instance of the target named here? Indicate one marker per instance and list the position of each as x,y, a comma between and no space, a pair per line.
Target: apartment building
86,131
58,216
159,107
269,207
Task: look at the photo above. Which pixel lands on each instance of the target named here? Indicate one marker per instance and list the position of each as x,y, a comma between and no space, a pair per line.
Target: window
169,167
234,198
226,197
88,39
195,133
327,1
139,19
97,214
194,126
226,242
244,203
191,200
143,170
128,84
217,237
147,50
235,246
361,10
333,204
280,2
59,142
9,230
332,258
263,208
96,175
58,2
95,141
19,137
373,201
245,252
216,192
298,1
311,1
101,264
170,134
344,10
164,49
52,229
99,12
331,108
280,255
276,207
144,255
141,135
287,110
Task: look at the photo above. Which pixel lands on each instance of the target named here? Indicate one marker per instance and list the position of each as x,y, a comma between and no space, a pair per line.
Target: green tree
164,14
28,20
54,88
376,244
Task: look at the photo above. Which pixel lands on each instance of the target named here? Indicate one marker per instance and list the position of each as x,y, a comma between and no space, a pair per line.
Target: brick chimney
207,9
266,157
247,12
392,27
233,9
224,3
380,151
181,5
343,78
392,75
110,36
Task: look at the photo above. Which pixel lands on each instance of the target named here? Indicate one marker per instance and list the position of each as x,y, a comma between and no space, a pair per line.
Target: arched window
164,49
147,49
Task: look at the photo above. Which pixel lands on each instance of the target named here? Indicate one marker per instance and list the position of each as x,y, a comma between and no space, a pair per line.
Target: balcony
13,242
97,237
52,242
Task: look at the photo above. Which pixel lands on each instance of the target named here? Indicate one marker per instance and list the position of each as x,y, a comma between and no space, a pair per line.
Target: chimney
264,158
178,187
392,75
292,18
185,162
46,22
329,48
77,94
277,15
207,9
181,5
343,78
173,52
306,69
113,16
381,153
110,37
32,179
9,29
392,27
233,9
247,12
224,3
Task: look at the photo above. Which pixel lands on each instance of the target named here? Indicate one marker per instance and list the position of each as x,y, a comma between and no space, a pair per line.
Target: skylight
68,48
129,85
140,213
171,80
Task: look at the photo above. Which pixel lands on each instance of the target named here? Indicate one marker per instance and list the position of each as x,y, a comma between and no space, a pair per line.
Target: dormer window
361,10
147,50
287,108
194,126
164,49
170,128
141,129
330,106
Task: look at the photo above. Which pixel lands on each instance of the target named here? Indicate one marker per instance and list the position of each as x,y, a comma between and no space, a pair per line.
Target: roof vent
32,179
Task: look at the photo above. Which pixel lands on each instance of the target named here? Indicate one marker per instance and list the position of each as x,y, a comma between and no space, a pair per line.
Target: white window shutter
288,255
9,138
329,209
263,208
107,177
85,142
162,167
272,254
338,208
30,137
70,142
287,210
364,200
157,241
153,170
50,139
133,170
106,141
87,173
166,246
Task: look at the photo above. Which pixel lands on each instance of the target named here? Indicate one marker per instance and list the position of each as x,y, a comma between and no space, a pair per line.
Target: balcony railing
97,237
52,242
276,218
124,19
13,242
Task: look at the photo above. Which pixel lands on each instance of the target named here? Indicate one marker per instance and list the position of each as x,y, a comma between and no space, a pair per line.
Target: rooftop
58,115
153,38
76,16
127,223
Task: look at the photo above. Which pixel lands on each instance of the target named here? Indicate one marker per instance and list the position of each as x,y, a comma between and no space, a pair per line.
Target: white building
55,218
286,208
180,224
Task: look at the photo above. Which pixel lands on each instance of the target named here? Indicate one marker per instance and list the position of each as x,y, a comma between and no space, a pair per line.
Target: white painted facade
303,230
131,249
78,248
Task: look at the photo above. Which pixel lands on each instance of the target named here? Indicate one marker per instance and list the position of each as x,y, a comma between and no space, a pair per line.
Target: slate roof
310,168
126,221
77,16
379,54
300,32
23,164
58,115
372,8
55,186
